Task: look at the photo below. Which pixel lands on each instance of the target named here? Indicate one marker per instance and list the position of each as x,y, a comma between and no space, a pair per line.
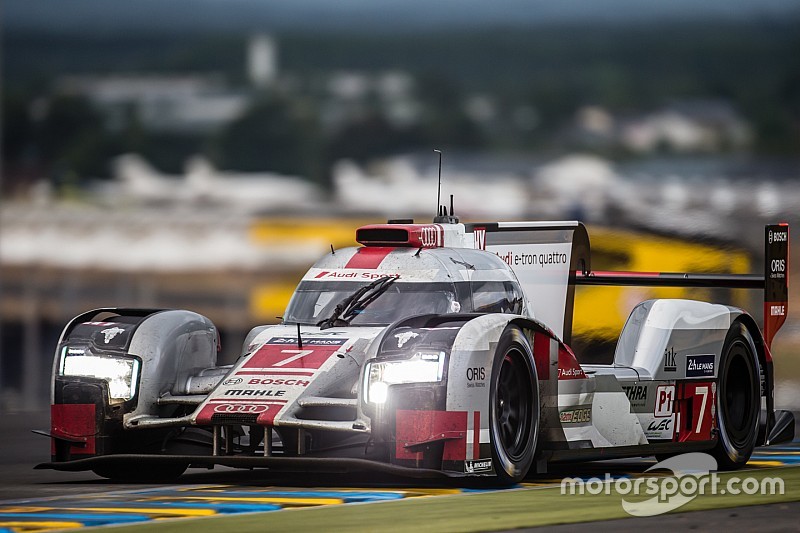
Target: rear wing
774,282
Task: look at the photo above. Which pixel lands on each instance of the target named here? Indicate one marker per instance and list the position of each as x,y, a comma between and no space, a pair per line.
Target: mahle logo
693,474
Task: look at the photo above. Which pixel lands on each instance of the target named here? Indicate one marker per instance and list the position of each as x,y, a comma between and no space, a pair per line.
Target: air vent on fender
411,235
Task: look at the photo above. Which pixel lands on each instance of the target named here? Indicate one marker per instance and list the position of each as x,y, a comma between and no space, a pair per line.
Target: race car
431,350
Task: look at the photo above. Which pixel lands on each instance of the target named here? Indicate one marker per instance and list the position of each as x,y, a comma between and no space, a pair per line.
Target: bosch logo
248,409
778,236
232,381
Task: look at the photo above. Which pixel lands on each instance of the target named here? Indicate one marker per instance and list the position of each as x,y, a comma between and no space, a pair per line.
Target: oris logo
478,373
247,409
778,265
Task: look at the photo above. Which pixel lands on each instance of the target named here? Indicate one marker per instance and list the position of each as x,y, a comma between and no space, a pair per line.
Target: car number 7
701,391
297,355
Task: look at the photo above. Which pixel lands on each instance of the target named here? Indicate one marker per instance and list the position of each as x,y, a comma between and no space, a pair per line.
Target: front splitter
335,465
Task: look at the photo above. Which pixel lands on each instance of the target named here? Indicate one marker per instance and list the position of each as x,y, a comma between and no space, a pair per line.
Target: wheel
738,400
142,474
514,407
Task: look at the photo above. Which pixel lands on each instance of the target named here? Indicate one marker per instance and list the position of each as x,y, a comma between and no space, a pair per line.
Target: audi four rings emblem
228,408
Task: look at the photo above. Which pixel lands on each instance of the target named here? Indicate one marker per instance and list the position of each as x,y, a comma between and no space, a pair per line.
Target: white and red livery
431,349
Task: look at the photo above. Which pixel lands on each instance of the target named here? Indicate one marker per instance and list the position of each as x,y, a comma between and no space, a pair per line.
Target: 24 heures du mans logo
699,365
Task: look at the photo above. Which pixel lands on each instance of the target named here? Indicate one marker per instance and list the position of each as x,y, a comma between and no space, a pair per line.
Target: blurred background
201,154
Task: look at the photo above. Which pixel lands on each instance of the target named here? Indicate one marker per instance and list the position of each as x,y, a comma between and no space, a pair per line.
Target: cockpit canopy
438,281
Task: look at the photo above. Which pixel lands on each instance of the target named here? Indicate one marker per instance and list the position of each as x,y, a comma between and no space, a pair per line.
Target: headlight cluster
121,373
423,367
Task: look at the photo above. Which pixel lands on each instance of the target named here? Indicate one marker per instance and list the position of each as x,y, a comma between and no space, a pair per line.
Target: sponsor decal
778,236
699,365
522,259
354,274
404,337
254,392
232,381
477,465
665,400
110,333
637,394
568,367
669,360
240,408
476,377
778,265
279,381
576,416
480,238
660,428
431,236
777,310
307,341
574,373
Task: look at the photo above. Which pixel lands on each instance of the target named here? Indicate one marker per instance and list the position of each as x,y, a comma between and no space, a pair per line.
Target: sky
366,15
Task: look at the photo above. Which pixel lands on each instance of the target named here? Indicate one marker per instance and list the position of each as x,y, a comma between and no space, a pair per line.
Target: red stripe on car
75,421
476,435
368,257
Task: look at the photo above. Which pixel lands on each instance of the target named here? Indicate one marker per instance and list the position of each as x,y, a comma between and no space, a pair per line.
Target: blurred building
685,126
199,103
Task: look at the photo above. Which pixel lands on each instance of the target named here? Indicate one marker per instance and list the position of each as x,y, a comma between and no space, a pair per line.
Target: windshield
314,301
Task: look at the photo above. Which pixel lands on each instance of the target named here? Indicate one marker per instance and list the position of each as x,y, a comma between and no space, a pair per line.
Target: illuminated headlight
423,367
121,374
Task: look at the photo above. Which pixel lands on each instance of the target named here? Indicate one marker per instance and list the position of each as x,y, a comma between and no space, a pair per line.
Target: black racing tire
142,474
738,400
513,407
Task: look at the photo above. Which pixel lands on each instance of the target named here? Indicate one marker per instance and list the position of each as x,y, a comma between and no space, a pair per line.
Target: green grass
500,510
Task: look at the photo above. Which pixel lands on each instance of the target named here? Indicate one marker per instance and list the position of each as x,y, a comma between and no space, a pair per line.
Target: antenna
441,210
439,189
334,253
299,338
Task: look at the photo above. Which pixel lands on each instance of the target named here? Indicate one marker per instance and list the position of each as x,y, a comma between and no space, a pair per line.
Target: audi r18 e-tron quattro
432,349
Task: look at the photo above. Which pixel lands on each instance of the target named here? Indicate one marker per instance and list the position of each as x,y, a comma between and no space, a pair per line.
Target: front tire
738,400
514,407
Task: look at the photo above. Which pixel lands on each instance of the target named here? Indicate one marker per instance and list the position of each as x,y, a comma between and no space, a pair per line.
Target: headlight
121,374
423,367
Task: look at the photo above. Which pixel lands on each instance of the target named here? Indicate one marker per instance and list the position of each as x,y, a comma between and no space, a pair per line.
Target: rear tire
738,400
514,407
